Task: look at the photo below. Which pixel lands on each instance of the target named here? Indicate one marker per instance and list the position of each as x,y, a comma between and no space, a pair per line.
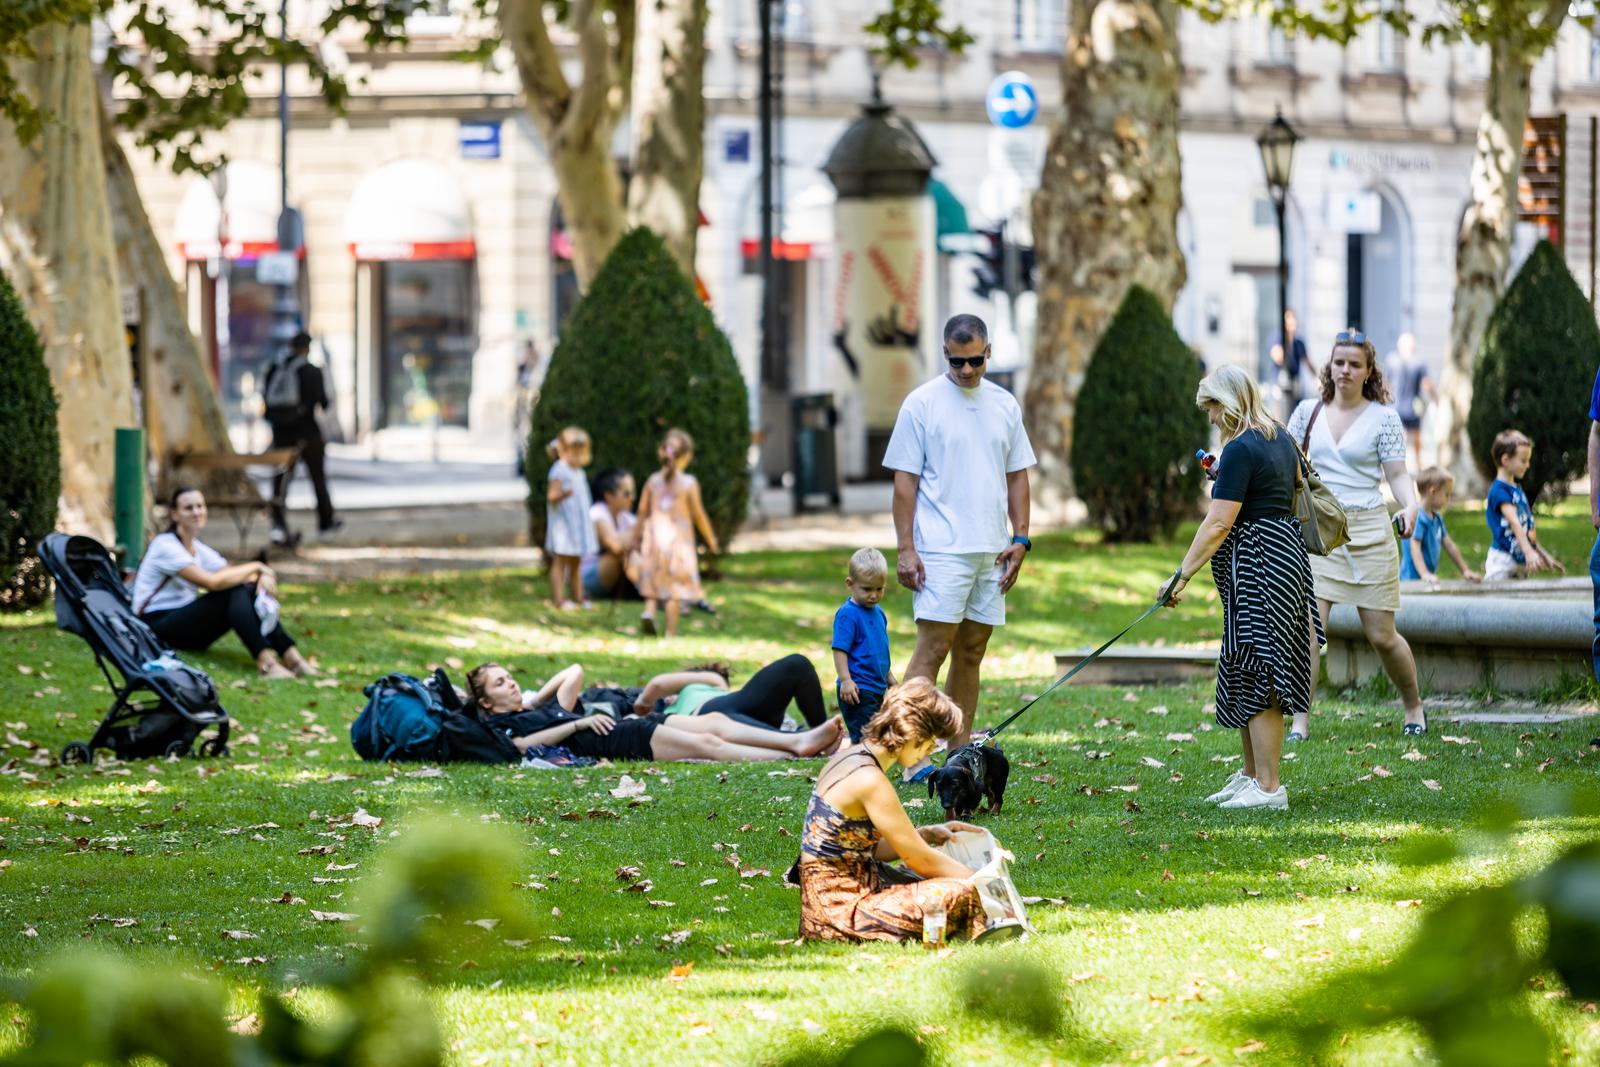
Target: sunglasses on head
957,362
1350,337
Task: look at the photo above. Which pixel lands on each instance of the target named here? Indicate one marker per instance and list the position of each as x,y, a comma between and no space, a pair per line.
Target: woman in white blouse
1356,442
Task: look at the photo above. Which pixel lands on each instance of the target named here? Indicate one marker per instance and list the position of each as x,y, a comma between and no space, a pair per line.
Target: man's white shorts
959,586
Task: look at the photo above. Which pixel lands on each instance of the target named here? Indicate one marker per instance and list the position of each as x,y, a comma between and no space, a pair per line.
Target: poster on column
883,287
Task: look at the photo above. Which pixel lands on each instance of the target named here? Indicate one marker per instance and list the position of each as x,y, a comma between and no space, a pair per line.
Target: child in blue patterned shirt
1419,558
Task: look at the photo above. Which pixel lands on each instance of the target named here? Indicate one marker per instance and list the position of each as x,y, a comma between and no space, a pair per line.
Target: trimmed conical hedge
641,354
1136,426
1535,371
30,477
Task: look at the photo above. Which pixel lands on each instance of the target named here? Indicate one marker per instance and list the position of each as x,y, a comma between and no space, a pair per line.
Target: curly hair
913,711
1374,388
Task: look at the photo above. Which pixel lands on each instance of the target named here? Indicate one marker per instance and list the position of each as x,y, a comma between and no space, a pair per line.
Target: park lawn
1181,931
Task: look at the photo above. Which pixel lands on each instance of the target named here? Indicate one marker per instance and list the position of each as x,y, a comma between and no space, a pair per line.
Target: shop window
427,336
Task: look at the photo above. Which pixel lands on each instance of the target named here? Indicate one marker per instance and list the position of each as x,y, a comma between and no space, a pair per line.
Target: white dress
568,531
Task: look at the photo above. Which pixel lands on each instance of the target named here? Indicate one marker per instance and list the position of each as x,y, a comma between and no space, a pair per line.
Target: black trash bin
816,461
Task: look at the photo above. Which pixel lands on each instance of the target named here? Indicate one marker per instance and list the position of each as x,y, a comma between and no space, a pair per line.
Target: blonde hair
1432,478
1233,391
685,445
913,712
868,563
573,437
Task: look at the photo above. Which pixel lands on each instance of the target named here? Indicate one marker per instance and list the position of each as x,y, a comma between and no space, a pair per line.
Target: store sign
479,139
1380,161
736,146
370,251
1542,181
1357,212
277,268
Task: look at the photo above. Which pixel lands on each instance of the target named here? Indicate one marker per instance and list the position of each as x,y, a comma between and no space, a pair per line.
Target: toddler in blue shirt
861,642
1515,551
1419,552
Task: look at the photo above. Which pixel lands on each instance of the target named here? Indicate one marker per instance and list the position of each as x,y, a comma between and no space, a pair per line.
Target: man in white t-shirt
961,458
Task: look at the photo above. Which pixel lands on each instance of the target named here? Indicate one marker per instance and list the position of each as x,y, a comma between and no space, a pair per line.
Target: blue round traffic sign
1012,100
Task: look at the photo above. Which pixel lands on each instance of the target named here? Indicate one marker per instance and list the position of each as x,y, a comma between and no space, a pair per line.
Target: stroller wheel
213,747
76,752
177,750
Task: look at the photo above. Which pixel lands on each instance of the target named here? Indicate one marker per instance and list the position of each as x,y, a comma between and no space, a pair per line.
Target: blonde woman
1357,442
1270,627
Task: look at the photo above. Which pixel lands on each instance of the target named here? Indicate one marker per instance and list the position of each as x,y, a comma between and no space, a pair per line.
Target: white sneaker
1253,796
1230,789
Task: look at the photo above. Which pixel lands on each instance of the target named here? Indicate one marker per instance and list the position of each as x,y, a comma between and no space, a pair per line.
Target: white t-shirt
165,557
1353,468
961,443
624,524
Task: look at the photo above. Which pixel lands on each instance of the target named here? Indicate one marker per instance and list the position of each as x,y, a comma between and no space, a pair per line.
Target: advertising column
883,279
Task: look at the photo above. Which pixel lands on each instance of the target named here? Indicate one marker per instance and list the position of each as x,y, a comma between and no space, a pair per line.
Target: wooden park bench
244,503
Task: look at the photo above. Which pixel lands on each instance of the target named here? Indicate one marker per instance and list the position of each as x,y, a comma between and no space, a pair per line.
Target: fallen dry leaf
1431,784
1249,1047
331,916
1380,771
238,935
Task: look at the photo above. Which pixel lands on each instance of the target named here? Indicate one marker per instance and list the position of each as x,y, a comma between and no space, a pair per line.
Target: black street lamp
1276,142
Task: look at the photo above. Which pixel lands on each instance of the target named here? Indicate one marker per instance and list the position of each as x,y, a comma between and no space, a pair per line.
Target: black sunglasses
957,362
1350,337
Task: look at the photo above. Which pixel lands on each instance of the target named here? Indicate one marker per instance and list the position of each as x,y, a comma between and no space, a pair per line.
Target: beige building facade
435,264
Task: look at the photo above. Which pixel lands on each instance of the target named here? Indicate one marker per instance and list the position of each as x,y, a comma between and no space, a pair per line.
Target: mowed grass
1177,924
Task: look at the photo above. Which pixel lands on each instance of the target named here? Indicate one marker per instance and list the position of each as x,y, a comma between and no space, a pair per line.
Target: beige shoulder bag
1323,525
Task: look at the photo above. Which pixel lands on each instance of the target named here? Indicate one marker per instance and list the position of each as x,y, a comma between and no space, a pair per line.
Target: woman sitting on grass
855,826
178,566
555,719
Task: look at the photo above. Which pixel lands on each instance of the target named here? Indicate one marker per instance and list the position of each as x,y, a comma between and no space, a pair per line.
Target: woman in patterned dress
855,827
1270,627
1357,442
669,513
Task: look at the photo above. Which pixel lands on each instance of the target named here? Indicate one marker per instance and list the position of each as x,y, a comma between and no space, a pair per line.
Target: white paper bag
980,851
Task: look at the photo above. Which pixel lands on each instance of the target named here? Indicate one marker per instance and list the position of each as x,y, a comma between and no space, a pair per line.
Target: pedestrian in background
292,392
1407,374
669,513
569,531
1295,368
1356,442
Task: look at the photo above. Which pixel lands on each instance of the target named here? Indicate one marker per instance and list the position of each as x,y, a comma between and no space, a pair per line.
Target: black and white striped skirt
1269,607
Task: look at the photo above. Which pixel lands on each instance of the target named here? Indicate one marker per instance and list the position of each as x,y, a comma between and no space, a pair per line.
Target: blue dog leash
1166,594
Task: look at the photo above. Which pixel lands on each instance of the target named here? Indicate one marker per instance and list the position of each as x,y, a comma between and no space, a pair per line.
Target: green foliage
1137,427
444,887
1013,990
1526,24
641,354
30,478
1535,371
215,50
912,26
1463,978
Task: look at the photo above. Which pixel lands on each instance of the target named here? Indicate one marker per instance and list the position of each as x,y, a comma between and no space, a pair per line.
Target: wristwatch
1027,545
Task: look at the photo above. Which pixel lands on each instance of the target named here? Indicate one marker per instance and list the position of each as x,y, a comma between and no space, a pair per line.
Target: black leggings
196,626
764,699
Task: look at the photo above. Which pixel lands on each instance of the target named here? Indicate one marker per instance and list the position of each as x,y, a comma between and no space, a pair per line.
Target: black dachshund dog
972,774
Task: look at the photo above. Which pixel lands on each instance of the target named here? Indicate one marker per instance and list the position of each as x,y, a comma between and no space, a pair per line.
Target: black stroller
93,602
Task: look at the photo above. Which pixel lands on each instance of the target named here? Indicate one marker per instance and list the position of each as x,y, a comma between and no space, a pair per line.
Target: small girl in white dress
569,535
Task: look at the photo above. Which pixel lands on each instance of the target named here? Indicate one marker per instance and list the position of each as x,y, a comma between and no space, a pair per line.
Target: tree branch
589,107
522,25
627,16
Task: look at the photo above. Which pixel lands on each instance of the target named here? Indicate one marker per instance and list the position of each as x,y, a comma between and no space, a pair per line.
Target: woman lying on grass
855,826
555,719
